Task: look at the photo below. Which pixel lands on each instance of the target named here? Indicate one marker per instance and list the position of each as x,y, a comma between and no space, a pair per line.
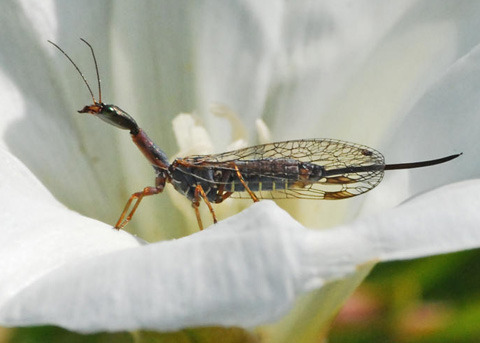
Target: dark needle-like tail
420,164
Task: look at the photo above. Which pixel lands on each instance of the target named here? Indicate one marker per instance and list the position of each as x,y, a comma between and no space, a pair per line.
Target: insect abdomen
274,174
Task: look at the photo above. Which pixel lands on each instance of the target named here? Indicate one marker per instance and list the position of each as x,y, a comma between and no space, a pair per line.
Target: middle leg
200,193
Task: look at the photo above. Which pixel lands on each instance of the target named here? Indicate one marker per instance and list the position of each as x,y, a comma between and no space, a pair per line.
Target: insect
303,169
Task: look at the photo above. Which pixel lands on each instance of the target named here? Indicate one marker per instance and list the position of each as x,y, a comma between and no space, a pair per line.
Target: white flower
403,78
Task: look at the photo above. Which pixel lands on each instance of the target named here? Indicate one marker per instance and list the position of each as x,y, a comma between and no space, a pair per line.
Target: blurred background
435,299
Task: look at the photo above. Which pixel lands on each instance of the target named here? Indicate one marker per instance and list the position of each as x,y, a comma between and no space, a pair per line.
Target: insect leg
137,197
199,192
222,196
221,193
242,180
195,205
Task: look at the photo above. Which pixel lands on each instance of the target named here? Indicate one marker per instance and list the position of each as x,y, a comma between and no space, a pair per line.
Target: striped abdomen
270,175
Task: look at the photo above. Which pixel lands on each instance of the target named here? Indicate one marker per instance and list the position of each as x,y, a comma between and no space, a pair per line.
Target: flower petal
245,271
445,121
437,222
39,234
241,272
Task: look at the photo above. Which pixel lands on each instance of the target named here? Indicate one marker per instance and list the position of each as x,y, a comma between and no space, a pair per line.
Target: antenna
96,69
79,71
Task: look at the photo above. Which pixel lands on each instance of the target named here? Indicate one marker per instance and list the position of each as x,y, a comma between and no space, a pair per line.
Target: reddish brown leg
240,177
137,197
195,205
222,196
199,192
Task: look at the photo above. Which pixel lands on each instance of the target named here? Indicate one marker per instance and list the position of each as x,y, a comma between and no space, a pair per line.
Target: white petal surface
444,121
241,272
39,234
245,271
441,221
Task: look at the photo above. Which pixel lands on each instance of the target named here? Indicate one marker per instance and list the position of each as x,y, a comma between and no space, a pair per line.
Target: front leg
137,197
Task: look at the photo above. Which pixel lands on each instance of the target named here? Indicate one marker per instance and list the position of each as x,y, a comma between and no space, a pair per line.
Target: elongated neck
149,149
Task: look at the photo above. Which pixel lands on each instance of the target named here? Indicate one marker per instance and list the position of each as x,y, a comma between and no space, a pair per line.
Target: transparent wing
352,169
329,153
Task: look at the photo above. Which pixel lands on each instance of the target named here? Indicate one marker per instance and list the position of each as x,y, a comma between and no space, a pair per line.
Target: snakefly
302,169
